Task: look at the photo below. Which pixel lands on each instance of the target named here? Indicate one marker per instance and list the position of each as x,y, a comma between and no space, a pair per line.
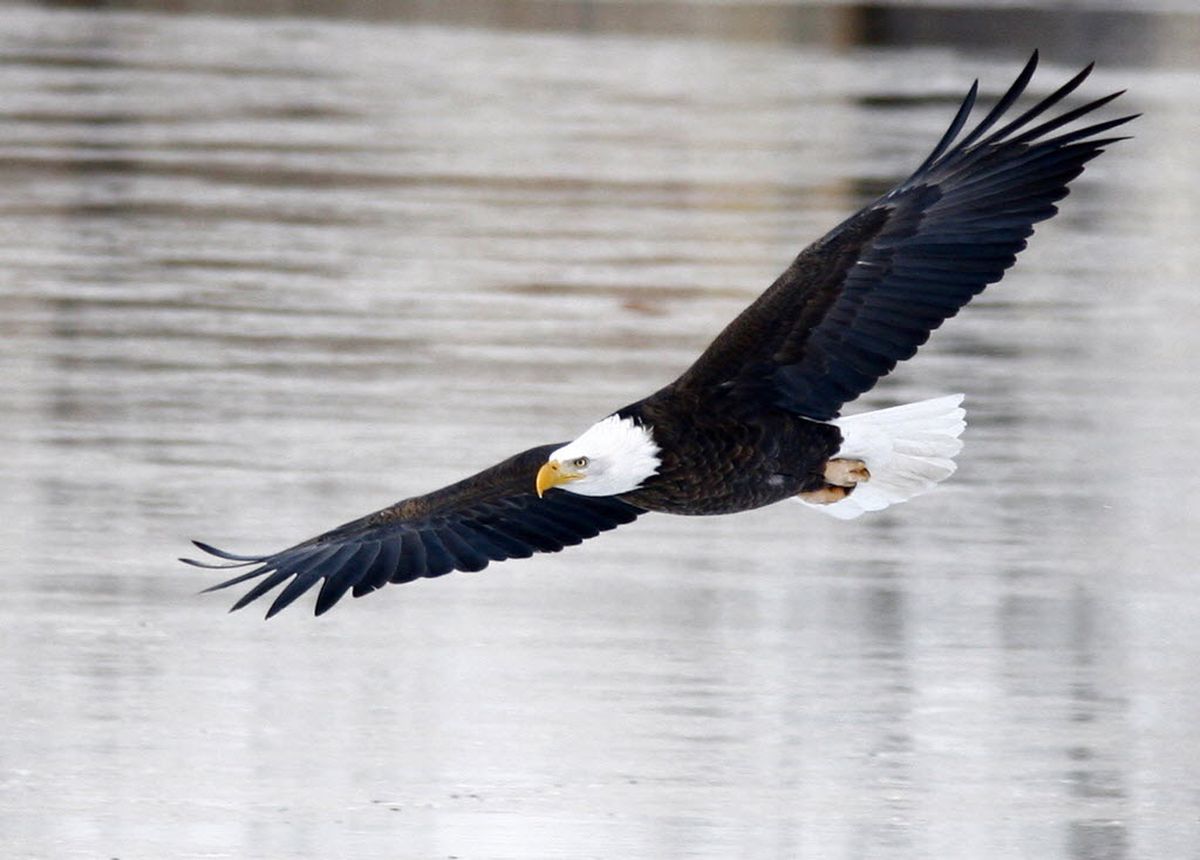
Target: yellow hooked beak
554,474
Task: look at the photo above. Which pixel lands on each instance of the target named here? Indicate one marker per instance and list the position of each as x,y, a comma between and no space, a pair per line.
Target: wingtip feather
241,560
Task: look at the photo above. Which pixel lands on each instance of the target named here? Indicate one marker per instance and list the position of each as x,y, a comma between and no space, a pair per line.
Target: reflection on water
263,274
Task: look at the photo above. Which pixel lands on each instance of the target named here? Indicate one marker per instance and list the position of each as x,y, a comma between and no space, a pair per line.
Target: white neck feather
620,453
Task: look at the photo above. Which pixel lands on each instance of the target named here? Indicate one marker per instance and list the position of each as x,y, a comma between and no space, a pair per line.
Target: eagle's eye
580,462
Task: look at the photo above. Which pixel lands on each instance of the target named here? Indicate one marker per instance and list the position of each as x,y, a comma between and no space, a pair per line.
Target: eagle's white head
612,456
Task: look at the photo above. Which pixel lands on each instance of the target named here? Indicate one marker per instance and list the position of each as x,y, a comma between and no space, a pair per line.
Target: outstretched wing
868,294
491,516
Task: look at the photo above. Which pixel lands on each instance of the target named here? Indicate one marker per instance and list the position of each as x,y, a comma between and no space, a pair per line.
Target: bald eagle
756,419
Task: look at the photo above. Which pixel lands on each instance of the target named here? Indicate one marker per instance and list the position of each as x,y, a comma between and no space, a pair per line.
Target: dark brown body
719,456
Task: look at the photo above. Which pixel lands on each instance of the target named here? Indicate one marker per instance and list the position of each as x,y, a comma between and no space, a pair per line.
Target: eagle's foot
846,473
841,477
826,495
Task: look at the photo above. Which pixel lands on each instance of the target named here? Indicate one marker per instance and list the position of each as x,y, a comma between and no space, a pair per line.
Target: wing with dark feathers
489,517
868,294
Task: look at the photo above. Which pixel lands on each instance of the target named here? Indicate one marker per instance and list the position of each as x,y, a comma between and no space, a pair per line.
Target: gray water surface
261,275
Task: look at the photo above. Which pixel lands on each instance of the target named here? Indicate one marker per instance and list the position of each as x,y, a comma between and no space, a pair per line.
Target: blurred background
265,267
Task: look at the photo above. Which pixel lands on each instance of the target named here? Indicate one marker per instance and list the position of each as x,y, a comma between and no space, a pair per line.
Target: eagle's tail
907,449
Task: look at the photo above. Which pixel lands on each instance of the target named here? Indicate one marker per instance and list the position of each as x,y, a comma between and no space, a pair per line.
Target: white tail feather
908,450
